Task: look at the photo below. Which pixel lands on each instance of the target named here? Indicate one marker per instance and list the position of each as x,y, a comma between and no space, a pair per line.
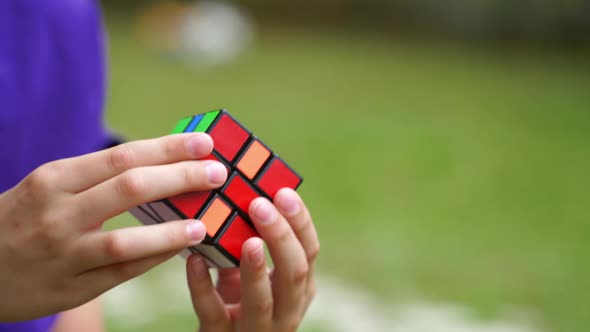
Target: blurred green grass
446,172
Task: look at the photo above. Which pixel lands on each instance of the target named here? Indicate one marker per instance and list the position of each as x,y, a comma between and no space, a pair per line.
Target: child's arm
53,253
87,318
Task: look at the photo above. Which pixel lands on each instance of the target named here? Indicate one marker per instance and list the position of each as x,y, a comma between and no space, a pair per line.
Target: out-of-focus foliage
557,21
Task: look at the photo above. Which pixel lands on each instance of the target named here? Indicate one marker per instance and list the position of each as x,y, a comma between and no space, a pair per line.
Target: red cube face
275,176
253,171
239,192
235,235
228,136
190,203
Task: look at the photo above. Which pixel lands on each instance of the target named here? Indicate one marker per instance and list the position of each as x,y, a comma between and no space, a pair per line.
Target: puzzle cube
254,171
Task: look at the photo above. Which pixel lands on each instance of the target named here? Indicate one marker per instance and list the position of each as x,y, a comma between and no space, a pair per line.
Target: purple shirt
51,91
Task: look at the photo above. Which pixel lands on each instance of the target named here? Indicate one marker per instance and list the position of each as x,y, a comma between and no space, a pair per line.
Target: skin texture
87,318
53,252
252,298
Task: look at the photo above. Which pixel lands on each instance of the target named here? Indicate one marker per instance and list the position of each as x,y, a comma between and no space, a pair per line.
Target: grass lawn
449,173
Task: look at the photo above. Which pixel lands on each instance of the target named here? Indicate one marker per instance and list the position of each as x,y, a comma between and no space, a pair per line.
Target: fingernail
199,145
197,265
196,232
264,212
288,202
256,256
216,173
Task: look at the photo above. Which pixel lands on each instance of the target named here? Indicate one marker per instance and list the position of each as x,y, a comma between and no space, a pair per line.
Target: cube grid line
254,170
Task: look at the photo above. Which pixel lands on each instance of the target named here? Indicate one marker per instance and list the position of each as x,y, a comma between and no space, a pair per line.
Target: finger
291,266
298,216
291,206
207,303
100,166
104,278
130,244
228,285
311,290
147,184
257,300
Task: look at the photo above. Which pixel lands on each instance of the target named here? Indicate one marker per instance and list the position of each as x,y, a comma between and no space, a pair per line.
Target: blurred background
445,147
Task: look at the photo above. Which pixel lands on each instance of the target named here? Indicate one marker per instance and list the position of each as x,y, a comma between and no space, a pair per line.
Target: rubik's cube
253,171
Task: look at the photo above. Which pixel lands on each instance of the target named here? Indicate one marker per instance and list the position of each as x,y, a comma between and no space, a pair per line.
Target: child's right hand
53,253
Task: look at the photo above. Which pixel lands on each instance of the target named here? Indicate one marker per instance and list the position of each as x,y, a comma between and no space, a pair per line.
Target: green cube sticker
181,125
206,121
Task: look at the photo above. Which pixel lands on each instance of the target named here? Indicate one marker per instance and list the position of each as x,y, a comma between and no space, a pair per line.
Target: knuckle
49,224
42,178
189,176
193,176
121,158
284,235
313,253
300,273
303,225
172,148
48,220
263,307
115,247
175,238
132,183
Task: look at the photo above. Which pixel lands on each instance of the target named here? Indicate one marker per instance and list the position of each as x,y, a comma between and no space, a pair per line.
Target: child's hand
53,254
251,299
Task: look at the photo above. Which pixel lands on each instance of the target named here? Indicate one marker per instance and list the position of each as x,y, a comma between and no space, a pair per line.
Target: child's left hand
251,299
